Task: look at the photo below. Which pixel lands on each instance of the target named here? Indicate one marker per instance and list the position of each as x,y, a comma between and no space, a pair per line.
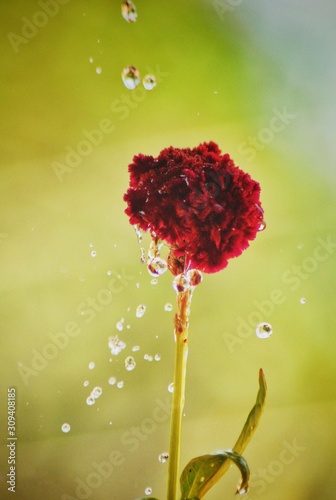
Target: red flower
198,202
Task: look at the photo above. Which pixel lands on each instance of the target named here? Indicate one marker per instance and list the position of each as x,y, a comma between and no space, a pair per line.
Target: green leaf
211,468
201,470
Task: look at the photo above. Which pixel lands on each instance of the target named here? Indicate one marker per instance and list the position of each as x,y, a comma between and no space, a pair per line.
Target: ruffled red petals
197,201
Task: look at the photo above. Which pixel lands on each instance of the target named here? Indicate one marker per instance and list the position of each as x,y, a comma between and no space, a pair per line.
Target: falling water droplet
262,225
65,427
128,11
96,392
140,310
168,307
120,384
90,401
149,82
93,253
163,457
138,233
157,357
154,281
264,330
181,283
86,383
148,490
116,345
171,387
142,255
120,324
303,300
98,70
136,348
130,363
112,381
92,364
157,266
195,277
131,77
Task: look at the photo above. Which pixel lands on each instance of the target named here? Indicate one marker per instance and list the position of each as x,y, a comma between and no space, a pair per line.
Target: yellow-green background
223,74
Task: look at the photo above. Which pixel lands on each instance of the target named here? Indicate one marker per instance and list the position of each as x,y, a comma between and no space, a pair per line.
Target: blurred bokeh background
256,77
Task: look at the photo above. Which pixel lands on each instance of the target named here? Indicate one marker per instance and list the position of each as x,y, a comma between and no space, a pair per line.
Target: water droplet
195,277
109,273
138,233
136,348
262,225
116,345
163,457
137,285
242,491
171,387
91,59
157,357
147,357
96,392
92,364
93,253
86,383
98,70
154,281
112,380
131,77
157,266
148,490
120,324
90,401
128,11
130,363
303,300
168,307
142,255
181,283
140,310
264,330
149,82
120,384
65,427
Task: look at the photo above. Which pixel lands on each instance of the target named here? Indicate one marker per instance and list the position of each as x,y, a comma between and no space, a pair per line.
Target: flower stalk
180,367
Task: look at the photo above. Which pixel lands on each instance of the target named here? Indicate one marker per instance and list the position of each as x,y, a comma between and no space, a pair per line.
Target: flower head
197,201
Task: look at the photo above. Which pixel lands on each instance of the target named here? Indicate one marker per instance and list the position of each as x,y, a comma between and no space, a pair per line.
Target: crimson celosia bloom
197,201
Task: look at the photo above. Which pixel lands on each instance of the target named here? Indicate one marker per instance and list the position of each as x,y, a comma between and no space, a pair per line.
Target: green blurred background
226,71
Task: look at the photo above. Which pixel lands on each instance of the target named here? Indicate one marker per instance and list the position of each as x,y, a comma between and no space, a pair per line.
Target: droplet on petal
194,276
261,227
128,11
181,283
131,77
264,330
149,82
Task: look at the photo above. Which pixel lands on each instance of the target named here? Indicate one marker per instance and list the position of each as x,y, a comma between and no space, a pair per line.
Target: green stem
181,353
